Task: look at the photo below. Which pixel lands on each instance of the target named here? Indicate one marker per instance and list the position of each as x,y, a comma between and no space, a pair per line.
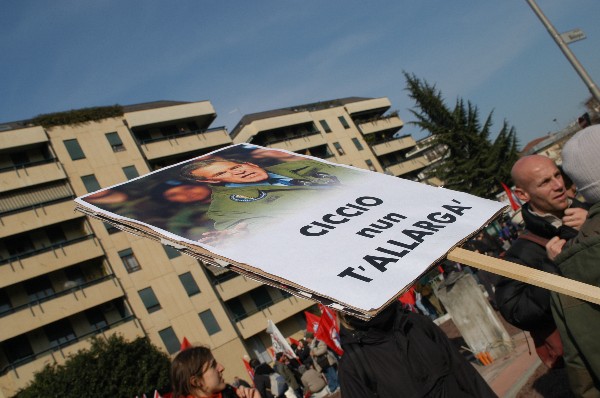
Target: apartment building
65,277
356,131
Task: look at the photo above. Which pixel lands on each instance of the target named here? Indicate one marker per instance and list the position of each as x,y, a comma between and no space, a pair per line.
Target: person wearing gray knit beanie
577,259
581,162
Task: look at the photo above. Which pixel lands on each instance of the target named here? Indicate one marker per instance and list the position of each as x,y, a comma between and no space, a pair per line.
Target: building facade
356,131
65,278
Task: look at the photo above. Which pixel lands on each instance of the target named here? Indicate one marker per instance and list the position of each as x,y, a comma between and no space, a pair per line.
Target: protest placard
346,237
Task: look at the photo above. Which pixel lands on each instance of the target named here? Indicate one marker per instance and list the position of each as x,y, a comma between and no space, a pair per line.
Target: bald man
547,212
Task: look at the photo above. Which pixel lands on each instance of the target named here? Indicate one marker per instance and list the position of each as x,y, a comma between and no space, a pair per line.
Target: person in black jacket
262,382
403,354
548,212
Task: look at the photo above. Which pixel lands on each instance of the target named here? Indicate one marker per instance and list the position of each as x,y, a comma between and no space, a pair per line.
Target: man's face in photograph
231,172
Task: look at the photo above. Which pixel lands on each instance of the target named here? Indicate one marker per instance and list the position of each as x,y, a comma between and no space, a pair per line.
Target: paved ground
520,374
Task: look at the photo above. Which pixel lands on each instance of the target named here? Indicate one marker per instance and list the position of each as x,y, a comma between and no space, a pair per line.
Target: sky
252,56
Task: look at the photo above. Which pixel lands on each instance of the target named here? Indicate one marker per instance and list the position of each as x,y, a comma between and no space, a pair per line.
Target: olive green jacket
579,321
256,205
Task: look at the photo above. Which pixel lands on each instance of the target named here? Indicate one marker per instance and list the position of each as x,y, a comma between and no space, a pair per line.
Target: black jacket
262,381
521,304
409,357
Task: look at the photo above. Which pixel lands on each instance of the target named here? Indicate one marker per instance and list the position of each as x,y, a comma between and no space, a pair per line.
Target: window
149,299
111,229
129,261
143,136
169,130
171,252
339,148
55,235
325,126
370,164
189,283
209,321
18,244
344,122
59,333
357,144
17,348
192,126
5,304
90,182
130,172
237,309
96,318
261,297
74,149
170,340
19,158
75,276
39,288
115,142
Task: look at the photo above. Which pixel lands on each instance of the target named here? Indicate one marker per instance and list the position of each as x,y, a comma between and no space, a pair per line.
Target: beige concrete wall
14,380
166,114
100,159
178,311
351,154
31,175
368,104
180,145
22,137
27,220
49,261
60,307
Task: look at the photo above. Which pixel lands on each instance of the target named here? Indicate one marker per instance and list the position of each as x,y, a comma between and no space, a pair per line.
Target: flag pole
560,284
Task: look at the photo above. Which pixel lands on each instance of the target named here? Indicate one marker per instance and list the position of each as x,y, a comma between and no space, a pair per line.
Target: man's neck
554,218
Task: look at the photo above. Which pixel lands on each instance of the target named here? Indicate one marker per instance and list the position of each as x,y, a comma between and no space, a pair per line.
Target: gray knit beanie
581,162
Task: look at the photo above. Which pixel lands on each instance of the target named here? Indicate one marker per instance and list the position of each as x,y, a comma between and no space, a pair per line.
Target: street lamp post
566,51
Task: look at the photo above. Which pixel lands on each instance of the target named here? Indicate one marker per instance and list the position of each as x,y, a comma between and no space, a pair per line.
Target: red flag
408,297
185,344
249,369
294,341
511,197
312,322
328,331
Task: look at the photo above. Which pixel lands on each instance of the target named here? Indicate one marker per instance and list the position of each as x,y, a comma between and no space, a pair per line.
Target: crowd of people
401,352
312,373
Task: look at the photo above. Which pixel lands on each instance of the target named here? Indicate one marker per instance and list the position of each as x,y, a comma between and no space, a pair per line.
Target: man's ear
522,195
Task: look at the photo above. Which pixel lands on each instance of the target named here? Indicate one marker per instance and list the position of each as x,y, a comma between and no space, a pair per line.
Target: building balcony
17,375
394,145
42,261
255,322
235,287
170,113
37,217
61,305
30,174
392,124
19,138
299,143
189,141
368,105
408,166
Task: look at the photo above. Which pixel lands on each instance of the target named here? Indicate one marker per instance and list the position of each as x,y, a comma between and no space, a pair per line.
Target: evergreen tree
111,367
472,163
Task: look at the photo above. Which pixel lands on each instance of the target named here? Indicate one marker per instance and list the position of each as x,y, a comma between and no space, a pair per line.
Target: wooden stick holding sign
525,274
